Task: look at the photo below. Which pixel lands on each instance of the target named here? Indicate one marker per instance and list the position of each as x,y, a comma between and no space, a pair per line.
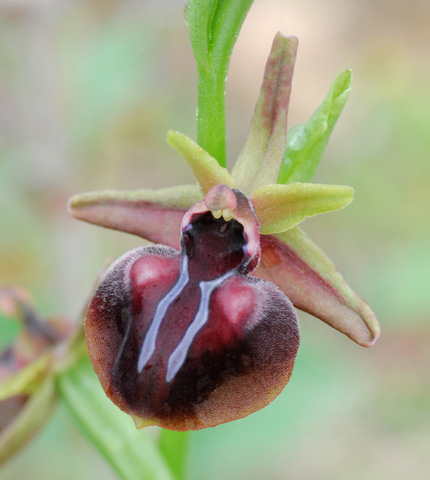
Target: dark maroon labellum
187,340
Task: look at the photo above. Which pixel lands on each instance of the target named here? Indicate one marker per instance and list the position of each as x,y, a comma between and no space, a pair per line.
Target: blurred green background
88,90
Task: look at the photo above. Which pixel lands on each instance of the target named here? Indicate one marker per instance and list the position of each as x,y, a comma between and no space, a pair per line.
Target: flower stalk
214,26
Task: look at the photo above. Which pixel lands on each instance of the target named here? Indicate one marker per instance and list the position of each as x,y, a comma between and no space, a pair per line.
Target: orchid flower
200,329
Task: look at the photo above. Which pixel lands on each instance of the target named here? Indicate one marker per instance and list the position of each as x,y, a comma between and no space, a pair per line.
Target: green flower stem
130,452
214,26
211,117
173,446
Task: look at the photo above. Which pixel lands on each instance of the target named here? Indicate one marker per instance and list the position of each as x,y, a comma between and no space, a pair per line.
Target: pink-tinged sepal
312,282
155,215
188,340
261,156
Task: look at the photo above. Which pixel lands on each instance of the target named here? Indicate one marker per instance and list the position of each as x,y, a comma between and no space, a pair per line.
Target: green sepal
312,282
130,452
180,196
204,167
280,207
261,157
306,143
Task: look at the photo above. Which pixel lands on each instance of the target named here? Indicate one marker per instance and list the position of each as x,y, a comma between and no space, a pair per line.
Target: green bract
306,143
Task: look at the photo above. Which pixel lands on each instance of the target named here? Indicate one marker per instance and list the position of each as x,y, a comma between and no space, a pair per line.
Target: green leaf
261,157
130,452
205,168
214,26
173,445
306,143
280,207
311,281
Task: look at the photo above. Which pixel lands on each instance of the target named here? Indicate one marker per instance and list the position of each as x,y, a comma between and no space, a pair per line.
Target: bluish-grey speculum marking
178,356
148,346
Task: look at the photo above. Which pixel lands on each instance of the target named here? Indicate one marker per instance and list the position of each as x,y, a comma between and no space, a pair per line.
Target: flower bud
27,393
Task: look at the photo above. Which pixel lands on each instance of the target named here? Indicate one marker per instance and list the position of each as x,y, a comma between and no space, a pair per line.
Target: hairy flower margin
270,174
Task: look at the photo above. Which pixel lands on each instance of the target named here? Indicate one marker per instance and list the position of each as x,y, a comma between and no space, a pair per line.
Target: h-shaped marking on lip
148,346
178,356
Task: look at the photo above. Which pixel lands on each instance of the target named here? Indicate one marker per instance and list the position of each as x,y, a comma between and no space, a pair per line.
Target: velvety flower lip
267,229
188,340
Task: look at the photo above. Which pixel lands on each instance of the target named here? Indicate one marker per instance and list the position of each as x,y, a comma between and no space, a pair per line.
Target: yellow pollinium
226,213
